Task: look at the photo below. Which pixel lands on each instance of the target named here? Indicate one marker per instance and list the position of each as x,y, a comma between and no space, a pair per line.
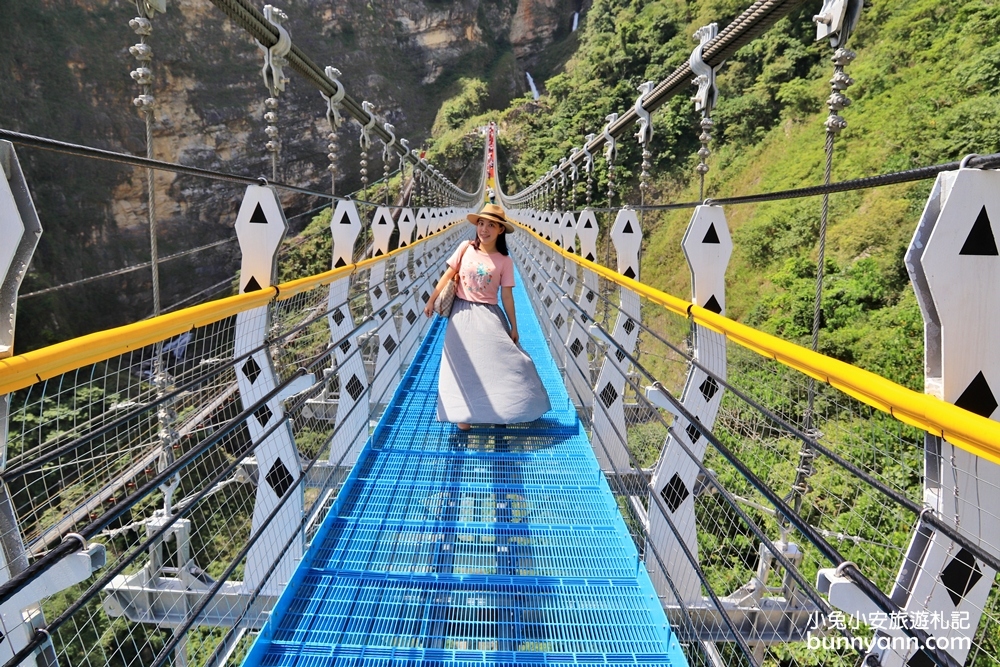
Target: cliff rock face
535,25
66,66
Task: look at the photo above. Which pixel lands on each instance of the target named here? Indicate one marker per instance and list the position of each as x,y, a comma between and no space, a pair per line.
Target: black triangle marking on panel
711,236
588,225
251,286
590,257
628,228
339,263
378,252
980,240
629,273
978,397
713,305
258,217
961,575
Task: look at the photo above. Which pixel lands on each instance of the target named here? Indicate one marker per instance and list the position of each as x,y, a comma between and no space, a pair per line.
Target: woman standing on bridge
485,377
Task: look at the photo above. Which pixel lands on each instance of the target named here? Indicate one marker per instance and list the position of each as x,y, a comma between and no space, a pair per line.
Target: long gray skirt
485,378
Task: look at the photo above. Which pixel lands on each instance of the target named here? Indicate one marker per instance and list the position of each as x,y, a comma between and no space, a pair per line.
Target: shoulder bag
445,300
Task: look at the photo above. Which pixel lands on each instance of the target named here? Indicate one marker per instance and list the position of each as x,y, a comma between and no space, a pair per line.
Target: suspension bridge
261,479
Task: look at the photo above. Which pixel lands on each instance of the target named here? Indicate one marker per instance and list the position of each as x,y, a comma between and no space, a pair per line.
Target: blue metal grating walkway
503,546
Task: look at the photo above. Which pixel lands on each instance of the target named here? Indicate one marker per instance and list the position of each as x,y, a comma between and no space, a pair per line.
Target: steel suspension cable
746,27
925,513
253,21
655,498
122,271
875,594
141,548
68,546
10,474
758,532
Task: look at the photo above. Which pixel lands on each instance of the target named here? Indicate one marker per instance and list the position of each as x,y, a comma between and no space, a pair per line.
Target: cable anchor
149,8
335,120
333,102
704,99
588,165
366,143
386,156
274,56
644,135
836,20
610,151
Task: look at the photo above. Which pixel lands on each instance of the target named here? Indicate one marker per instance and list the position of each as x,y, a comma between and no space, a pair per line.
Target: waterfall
531,84
576,20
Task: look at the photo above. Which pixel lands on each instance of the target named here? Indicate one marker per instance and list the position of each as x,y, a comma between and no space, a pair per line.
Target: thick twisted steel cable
68,148
136,161
252,20
991,161
926,514
746,27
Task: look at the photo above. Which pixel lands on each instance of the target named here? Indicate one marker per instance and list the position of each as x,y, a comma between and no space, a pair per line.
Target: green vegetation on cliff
927,79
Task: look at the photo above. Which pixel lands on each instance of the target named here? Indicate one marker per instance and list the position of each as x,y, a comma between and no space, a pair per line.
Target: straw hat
494,213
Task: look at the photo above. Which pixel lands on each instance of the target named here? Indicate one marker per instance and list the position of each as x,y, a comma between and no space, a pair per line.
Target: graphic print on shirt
478,280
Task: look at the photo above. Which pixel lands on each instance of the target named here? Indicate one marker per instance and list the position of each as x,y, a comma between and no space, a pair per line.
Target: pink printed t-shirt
482,274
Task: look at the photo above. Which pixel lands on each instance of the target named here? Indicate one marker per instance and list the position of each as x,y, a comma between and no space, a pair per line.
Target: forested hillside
926,78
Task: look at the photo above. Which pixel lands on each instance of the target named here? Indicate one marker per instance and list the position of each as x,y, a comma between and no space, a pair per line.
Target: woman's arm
507,296
448,275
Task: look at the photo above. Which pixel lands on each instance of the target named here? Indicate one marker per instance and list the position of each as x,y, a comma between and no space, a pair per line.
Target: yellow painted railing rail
26,369
970,431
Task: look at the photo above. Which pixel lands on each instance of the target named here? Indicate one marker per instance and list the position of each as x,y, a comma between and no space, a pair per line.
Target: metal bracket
588,163
386,148
333,101
366,140
611,144
704,99
836,20
274,56
148,8
645,133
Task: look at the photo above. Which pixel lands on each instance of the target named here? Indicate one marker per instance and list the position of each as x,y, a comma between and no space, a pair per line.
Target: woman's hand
514,336
448,275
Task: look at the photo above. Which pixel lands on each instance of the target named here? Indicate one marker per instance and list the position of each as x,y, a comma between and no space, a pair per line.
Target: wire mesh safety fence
148,460
853,482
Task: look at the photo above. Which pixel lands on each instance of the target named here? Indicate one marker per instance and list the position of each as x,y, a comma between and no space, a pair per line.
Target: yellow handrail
967,430
26,369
